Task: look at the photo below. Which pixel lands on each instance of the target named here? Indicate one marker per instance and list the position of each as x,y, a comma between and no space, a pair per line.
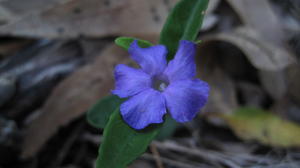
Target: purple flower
159,85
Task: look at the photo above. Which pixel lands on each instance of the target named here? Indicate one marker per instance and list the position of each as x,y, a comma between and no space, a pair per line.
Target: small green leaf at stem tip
198,41
183,23
99,113
122,144
125,42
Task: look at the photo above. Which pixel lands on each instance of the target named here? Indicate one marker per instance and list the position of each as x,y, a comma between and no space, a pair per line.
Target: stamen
159,84
162,86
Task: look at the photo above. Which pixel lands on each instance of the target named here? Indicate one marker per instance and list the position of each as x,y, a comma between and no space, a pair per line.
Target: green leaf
122,144
168,128
98,115
125,42
183,23
264,127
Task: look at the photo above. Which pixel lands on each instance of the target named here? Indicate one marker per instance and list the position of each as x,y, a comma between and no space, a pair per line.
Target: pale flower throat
159,84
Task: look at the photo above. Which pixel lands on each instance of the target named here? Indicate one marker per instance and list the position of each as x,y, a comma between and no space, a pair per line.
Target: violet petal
130,81
143,109
184,98
152,59
183,65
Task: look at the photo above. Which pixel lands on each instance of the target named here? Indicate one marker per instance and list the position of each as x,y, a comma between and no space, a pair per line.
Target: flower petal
130,81
143,109
184,98
152,59
183,65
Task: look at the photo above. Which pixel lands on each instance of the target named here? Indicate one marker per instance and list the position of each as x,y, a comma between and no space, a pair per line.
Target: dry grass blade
156,156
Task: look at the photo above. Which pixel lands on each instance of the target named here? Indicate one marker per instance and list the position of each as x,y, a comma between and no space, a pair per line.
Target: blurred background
57,59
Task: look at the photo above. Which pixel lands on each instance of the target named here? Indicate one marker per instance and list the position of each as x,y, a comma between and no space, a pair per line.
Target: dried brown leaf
99,18
258,15
72,97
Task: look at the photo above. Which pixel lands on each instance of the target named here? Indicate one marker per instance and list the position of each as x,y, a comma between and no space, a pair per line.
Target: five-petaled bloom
160,86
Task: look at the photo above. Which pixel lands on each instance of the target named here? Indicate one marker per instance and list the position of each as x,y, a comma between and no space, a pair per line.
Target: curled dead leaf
261,54
266,31
222,98
268,58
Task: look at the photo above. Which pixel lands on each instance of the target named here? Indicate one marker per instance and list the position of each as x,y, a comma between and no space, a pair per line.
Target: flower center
159,84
